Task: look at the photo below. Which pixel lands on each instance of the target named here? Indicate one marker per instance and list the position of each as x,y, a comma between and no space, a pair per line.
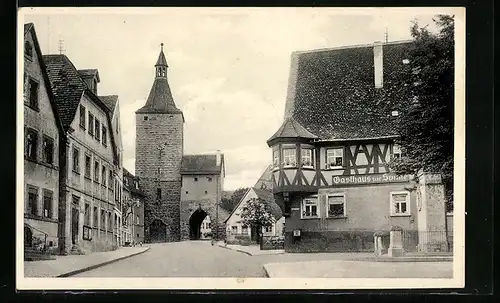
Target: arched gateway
158,231
195,224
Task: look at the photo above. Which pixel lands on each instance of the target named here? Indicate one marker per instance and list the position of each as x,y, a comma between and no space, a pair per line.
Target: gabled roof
265,196
333,96
68,88
30,27
201,164
292,129
89,73
110,101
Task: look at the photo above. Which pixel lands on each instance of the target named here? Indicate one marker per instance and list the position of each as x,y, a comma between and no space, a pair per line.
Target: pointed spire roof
160,100
291,129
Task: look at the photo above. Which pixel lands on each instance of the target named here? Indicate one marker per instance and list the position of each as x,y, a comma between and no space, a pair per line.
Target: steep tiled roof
161,59
85,73
333,96
110,101
292,129
200,164
265,181
66,84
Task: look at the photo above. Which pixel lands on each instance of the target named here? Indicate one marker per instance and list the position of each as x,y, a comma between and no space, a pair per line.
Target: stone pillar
396,246
431,212
375,245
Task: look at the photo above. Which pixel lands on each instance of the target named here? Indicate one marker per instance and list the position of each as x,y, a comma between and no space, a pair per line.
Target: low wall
330,241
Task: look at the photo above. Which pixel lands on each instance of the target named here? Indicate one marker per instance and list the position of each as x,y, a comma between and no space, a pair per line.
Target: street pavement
200,259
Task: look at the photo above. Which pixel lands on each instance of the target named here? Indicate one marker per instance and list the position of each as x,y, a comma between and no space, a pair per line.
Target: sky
228,68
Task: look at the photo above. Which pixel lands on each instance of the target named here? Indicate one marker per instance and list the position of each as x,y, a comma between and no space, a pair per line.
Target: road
182,259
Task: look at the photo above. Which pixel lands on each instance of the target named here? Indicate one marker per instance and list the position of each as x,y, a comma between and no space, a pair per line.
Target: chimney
378,64
218,158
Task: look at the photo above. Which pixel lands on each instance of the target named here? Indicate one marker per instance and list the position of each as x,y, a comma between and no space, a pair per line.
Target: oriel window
289,157
307,157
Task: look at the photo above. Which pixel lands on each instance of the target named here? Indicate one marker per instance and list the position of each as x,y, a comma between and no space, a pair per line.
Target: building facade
133,210
89,206
42,132
168,210
331,154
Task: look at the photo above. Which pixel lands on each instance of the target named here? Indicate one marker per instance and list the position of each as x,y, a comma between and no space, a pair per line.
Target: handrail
36,229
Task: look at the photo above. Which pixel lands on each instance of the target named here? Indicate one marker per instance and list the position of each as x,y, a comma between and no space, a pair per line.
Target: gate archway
195,224
158,231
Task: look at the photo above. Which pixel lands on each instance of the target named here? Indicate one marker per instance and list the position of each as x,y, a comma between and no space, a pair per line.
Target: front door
74,225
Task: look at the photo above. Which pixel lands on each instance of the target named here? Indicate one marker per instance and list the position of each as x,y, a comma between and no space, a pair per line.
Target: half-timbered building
331,154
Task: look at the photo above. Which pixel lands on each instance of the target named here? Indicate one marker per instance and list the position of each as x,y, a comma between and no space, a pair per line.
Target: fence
427,241
272,242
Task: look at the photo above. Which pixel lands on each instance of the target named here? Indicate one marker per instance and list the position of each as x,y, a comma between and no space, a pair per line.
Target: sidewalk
359,269
65,266
252,250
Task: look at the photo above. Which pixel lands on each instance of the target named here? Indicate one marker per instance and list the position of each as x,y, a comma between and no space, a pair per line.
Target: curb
78,271
266,272
238,250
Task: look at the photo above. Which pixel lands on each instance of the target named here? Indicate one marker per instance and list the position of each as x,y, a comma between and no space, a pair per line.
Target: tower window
195,179
145,118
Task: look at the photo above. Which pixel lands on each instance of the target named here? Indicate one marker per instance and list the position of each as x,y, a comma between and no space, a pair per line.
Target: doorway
195,224
158,231
74,225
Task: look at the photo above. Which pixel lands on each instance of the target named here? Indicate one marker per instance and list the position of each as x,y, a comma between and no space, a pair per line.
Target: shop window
309,207
307,156
336,206
335,157
400,203
289,157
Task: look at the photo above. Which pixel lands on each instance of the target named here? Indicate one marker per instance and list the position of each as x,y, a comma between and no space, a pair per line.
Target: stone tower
158,152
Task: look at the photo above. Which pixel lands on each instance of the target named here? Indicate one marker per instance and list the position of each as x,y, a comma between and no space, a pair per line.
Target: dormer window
335,157
28,50
289,157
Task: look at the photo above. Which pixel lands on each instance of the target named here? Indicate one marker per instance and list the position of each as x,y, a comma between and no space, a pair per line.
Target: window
31,142
28,50
234,229
335,157
268,229
97,130
96,171
86,218
76,200
82,117
103,219
47,203
158,193
289,155
91,124
276,157
244,229
310,207
31,90
396,152
87,166
336,206
103,174
209,179
110,180
187,192
137,220
195,179
76,160
32,200
136,184
109,221
206,192
96,216
48,149
400,203
307,157
104,136
145,118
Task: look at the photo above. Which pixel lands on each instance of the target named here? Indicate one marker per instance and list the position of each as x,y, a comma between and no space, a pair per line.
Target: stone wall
330,241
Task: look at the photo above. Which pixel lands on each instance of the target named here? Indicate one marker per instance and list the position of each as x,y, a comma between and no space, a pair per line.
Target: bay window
276,157
307,156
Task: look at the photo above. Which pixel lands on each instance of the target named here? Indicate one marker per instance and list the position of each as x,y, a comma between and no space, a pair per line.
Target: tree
256,213
230,203
427,89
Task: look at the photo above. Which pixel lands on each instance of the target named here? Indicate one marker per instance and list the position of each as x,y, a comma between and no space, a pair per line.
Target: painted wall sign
370,179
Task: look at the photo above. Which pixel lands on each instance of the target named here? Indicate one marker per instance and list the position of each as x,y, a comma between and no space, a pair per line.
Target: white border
458,280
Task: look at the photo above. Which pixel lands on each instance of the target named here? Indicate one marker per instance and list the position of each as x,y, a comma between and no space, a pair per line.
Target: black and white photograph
240,148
